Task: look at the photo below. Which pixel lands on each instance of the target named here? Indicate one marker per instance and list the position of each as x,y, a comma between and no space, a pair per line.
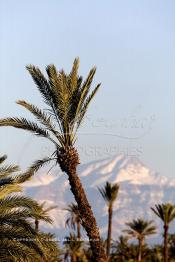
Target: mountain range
140,189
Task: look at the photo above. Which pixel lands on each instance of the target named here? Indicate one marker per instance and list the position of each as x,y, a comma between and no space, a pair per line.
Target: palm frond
18,239
25,124
59,89
166,212
42,213
109,192
74,74
15,201
40,163
8,189
2,159
140,228
12,250
67,97
41,83
86,104
84,90
5,181
5,170
40,115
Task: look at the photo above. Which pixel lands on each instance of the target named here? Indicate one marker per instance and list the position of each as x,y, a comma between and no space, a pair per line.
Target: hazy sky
132,43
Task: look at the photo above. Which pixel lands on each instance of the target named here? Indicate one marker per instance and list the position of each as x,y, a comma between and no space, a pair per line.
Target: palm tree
140,229
74,249
18,240
42,214
156,254
67,98
120,249
166,212
109,193
74,220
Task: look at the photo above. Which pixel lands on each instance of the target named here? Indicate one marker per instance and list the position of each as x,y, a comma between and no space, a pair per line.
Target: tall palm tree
43,214
109,193
166,212
18,240
74,220
67,98
140,229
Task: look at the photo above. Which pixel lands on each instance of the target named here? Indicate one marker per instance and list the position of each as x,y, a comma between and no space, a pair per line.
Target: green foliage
166,212
109,192
74,249
67,98
120,250
74,217
18,239
42,214
140,228
123,251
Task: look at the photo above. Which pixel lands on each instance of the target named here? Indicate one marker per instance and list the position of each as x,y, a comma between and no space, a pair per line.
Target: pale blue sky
133,45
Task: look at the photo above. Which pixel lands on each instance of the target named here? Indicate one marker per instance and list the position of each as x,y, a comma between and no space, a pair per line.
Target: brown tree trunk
73,258
165,248
140,250
109,232
68,160
78,230
36,225
88,219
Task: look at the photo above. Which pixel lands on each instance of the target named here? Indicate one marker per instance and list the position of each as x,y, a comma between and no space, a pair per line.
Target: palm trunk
73,258
140,250
36,225
122,258
68,160
78,230
165,248
88,219
110,211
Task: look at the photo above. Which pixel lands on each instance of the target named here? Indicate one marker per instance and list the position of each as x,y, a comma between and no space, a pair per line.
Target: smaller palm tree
166,212
155,254
120,249
43,214
73,249
109,193
74,220
140,229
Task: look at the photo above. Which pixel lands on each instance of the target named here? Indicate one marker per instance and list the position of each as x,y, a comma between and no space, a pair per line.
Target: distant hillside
140,188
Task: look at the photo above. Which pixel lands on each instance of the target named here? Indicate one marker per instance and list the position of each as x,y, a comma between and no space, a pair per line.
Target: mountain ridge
140,188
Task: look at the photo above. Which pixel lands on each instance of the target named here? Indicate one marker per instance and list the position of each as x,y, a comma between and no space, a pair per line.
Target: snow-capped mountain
140,188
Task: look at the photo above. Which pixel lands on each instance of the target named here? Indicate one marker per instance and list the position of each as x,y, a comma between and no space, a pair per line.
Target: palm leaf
39,114
5,170
2,159
74,74
84,90
41,83
86,104
8,189
15,201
